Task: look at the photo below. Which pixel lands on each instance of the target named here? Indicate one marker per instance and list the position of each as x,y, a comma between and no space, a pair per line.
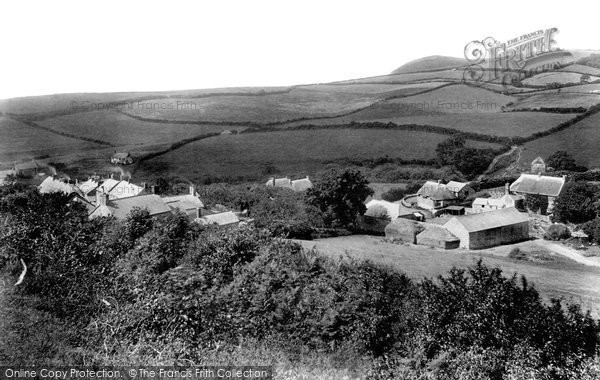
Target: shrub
557,232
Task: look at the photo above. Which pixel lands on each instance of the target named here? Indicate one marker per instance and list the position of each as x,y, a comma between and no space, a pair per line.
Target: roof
52,185
498,202
537,160
456,186
121,207
221,219
405,225
301,184
120,189
435,232
280,182
436,191
88,186
488,220
393,209
183,202
538,184
27,165
121,155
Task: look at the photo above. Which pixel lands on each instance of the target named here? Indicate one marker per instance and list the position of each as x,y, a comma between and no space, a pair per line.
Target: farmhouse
55,185
189,204
538,166
27,169
122,158
436,195
297,185
488,229
120,189
120,208
497,203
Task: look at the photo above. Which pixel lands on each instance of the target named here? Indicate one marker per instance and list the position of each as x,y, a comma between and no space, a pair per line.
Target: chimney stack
111,176
101,198
153,187
192,190
121,177
506,188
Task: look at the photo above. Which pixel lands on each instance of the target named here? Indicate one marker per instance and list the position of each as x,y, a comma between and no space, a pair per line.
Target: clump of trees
469,161
562,160
162,280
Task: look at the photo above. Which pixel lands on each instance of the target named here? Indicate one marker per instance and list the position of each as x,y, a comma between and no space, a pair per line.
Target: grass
555,77
580,140
558,277
22,142
554,100
120,129
292,153
582,69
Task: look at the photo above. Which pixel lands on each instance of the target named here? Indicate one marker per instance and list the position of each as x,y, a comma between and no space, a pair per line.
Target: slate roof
27,165
120,208
537,160
301,184
489,220
456,186
121,155
120,189
296,185
435,232
435,191
221,219
538,184
88,186
183,202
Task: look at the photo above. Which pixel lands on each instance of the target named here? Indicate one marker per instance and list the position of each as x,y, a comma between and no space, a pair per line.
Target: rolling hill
423,101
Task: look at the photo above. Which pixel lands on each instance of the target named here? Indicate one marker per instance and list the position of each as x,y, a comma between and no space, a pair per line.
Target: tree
447,149
340,194
576,203
536,202
561,160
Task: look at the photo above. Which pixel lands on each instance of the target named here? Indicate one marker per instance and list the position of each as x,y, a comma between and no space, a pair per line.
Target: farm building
489,229
297,185
497,203
538,184
436,195
404,229
538,166
122,158
189,204
120,208
27,169
120,189
438,237
55,185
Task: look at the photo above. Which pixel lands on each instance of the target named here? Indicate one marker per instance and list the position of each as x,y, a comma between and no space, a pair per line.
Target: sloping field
119,129
581,140
452,99
434,62
555,77
299,103
297,152
22,142
554,100
582,69
93,101
382,89
451,74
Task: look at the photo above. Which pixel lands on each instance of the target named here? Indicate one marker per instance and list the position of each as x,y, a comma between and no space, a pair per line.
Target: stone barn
404,229
489,229
438,237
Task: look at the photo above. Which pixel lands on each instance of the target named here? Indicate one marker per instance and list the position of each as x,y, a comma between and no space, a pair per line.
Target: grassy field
554,100
582,69
555,77
119,129
555,276
293,153
581,140
299,103
22,142
450,74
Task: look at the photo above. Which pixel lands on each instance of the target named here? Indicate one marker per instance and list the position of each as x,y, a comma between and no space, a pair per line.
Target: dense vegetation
171,284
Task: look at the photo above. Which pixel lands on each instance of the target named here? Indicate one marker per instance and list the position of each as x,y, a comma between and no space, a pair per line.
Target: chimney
111,176
192,190
144,186
198,212
76,181
101,198
506,188
153,187
121,177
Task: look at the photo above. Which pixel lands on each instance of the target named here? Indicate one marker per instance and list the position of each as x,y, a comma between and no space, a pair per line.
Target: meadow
22,142
119,129
581,140
581,69
296,153
554,100
555,77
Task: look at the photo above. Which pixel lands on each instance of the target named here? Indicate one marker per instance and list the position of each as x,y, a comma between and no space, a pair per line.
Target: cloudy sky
99,46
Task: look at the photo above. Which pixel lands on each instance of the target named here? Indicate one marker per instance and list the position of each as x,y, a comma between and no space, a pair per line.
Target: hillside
429,98
434,62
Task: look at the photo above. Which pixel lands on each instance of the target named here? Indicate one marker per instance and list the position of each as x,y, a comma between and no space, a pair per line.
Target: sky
61,46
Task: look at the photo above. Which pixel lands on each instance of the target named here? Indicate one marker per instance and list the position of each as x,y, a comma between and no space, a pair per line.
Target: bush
557,232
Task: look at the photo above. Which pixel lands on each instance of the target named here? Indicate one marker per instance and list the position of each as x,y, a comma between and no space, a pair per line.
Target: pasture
554,100
581,69
556,277
119,129
296,153
22,142
555,77
581,140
